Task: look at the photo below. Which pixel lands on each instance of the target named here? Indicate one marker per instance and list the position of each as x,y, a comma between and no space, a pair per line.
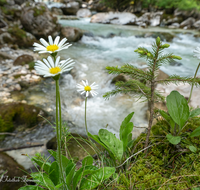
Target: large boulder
197,24
38,20
17,36
13,176
114,18
152,19
70,8
72,34
82,13
188,22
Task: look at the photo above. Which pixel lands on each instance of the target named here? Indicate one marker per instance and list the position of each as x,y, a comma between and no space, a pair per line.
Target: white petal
47,63
62,42
87,93
51,62
56,40
44,42
57,61
84,83
50,40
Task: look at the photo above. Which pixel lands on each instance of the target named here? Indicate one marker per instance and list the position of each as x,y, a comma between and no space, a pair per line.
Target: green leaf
88,160
168,118
196,132
124,123
97,139
82,172
127,135
195,112
30,187
43,164
70,171
178,108
112,142
173,139
192,148
54,173
97,177
43,180
65,160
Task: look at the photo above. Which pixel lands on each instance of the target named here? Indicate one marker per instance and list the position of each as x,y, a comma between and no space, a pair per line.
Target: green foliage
87,177
117,149
117,5
180,4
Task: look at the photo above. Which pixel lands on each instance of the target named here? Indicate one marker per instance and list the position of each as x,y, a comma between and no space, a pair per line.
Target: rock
38,20
70,8
82,13
152,19
188,22
11,179
72,34
23,59
13,115
174,25
56,11
163,36
114,18
17,87
175,63
15,35
118,78
197,24
20,2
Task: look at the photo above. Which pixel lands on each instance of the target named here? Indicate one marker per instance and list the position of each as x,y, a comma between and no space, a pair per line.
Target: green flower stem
193,83
85,116
59,134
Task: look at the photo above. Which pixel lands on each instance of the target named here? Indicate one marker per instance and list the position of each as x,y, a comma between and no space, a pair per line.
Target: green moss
31,65
3,2
18,32
165,166
15,114
39,11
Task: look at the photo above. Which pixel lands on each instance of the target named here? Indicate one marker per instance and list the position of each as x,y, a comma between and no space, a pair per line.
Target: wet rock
56,11
82,13
13,115
197,24
23,59
118,78
174,25
188,22
13,173
163,36
114,18
38,20
15,35
175,63
72,34
70,8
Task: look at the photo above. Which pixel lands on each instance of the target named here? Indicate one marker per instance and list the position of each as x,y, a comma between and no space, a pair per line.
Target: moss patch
13,115
39,11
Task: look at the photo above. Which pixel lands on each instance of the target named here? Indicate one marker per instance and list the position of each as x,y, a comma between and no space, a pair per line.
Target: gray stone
82,13
72,34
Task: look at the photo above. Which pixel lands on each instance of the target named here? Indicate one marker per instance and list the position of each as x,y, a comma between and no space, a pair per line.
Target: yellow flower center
52,48
87,88
55,70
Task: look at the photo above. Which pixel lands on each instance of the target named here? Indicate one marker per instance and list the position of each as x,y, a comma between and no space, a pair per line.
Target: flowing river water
110,45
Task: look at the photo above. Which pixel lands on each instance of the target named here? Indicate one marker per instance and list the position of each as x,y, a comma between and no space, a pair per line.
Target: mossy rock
13,115
20,37
118,78
23,60
15,173
39,11
3,2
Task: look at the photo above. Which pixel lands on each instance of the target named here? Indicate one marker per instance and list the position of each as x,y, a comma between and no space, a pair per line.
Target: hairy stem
193,82
59,134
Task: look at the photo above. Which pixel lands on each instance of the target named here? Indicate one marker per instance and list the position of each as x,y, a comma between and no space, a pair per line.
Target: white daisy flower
48,68
51,46
197,52
86,88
